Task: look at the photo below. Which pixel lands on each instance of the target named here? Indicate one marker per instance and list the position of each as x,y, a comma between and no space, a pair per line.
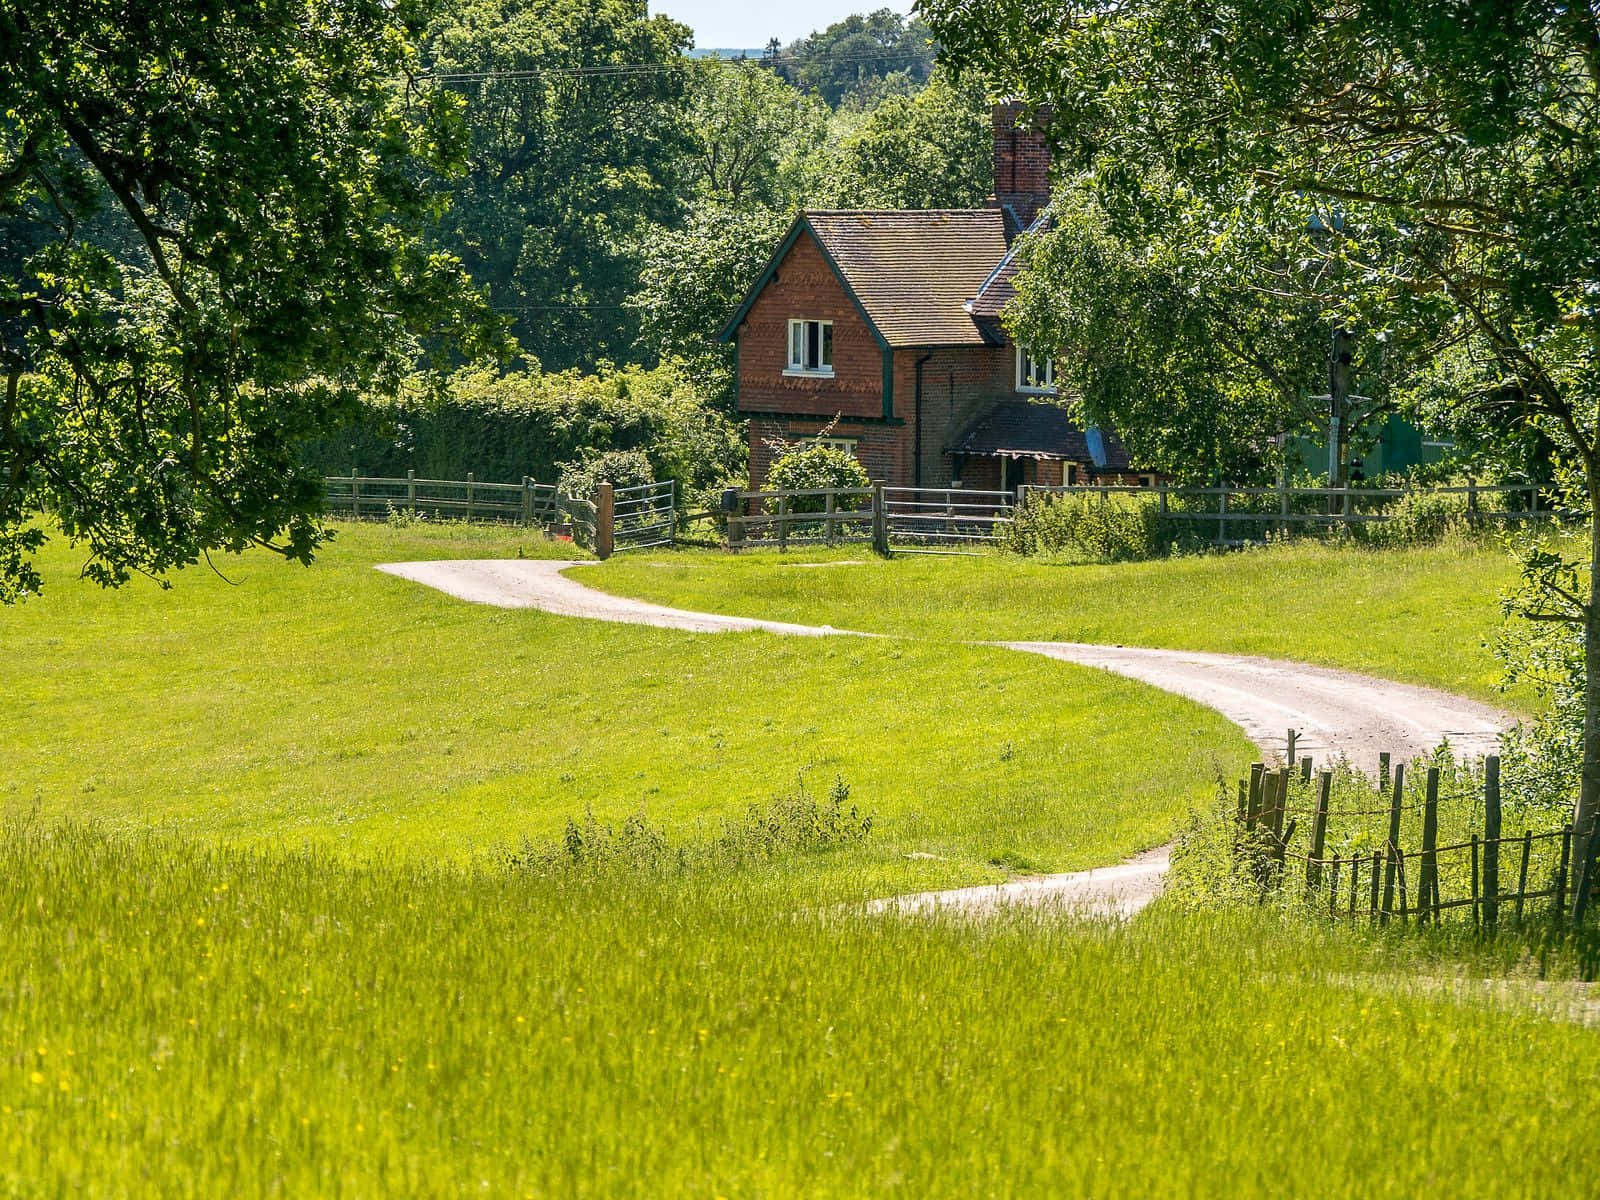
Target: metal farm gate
921,520
644,515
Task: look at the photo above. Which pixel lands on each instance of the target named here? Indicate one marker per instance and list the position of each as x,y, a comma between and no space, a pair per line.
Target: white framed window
848,445
1036,376
810,348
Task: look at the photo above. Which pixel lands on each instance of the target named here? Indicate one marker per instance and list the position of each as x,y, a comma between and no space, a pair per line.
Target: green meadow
341,707
1422,615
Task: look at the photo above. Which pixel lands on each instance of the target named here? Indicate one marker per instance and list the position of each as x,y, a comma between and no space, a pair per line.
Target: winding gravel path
1334,712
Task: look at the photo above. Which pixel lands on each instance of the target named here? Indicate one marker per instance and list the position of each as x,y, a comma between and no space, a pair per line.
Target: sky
734,23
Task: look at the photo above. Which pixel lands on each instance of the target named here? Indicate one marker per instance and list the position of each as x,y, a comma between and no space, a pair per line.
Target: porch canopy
1025,429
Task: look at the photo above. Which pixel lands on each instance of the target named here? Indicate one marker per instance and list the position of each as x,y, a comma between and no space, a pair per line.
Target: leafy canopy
208,224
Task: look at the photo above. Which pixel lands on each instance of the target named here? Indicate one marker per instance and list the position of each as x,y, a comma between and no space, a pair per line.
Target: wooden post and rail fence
1488,873
905,520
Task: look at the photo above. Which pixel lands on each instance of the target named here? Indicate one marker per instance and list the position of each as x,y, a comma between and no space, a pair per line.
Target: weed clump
787,825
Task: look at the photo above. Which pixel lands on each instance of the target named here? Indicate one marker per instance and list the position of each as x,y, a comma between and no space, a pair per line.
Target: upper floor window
811,347
1036,375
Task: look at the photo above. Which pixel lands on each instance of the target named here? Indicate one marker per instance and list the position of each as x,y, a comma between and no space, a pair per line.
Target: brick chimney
1021,161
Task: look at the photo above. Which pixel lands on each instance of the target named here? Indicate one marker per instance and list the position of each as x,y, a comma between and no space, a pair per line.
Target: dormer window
1035,376
810,348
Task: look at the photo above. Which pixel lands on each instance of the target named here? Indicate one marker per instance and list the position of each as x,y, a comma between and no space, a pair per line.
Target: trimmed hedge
502,427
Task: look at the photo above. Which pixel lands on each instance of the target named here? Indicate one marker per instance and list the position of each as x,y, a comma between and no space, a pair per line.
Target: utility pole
1339,359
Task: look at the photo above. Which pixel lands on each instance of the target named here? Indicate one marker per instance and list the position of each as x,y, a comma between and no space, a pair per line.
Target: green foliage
578,125
692,279
210,226
752,136
930,149
620,468
852,57
1419,518
1159,340
814,465
1115,528
503,426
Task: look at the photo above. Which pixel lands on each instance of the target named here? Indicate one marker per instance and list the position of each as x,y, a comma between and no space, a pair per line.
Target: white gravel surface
1335,713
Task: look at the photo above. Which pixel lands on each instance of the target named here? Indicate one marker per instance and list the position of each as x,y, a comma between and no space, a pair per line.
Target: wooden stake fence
1395,883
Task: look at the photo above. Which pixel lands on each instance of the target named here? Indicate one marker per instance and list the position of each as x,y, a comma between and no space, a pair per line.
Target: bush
1117,527
620,468
503,426
1417,519
812,465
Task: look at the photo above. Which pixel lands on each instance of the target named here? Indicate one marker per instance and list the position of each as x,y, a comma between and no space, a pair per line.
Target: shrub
1417,519
812,465
1117,527
796,823
620,468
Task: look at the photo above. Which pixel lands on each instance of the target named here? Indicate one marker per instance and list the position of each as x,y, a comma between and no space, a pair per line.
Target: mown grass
182,1021
338,706
1424,615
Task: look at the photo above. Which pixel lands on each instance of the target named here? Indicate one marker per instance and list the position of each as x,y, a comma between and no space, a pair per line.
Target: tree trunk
1583,820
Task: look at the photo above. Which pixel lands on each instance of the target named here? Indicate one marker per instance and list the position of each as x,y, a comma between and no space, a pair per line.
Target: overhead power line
657,68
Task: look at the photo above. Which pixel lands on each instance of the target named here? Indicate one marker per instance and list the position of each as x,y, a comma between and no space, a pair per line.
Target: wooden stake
1428,868
1253,804
1333,885
1394,837
1305,768
1491,840
1319,833
1477,897
1522,875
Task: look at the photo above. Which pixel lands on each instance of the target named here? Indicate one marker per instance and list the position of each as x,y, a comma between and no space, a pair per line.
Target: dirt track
1334,712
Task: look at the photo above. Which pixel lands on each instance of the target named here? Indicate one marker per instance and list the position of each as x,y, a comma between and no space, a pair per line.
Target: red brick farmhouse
883,328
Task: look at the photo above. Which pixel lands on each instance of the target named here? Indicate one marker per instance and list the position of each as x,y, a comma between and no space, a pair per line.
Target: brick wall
958,385
881,449
805,288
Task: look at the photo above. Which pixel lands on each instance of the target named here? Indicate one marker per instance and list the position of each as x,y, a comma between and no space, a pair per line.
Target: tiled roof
1026,429
1000,288
915,270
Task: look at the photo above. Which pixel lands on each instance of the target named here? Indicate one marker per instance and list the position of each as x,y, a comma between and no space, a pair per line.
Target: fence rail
645,515
525,503
934,516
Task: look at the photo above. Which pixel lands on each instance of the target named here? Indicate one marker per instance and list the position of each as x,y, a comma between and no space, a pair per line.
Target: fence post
829,507
1222,517
880,521
1428,865
1253,799
527,500
1290,742
411,492
672,518
471,479
733,504
1394,838
1491,840
605,514
1162,493
1319,834
1283,504
355,494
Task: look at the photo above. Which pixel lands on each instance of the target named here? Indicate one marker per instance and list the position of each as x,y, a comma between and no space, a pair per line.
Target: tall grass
178,1020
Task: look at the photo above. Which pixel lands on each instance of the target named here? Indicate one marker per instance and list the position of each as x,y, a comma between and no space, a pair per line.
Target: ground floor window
848,445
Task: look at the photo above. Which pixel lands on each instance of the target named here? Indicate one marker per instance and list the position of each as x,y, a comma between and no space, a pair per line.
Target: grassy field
320,976
339,706
1422,615
184,1022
